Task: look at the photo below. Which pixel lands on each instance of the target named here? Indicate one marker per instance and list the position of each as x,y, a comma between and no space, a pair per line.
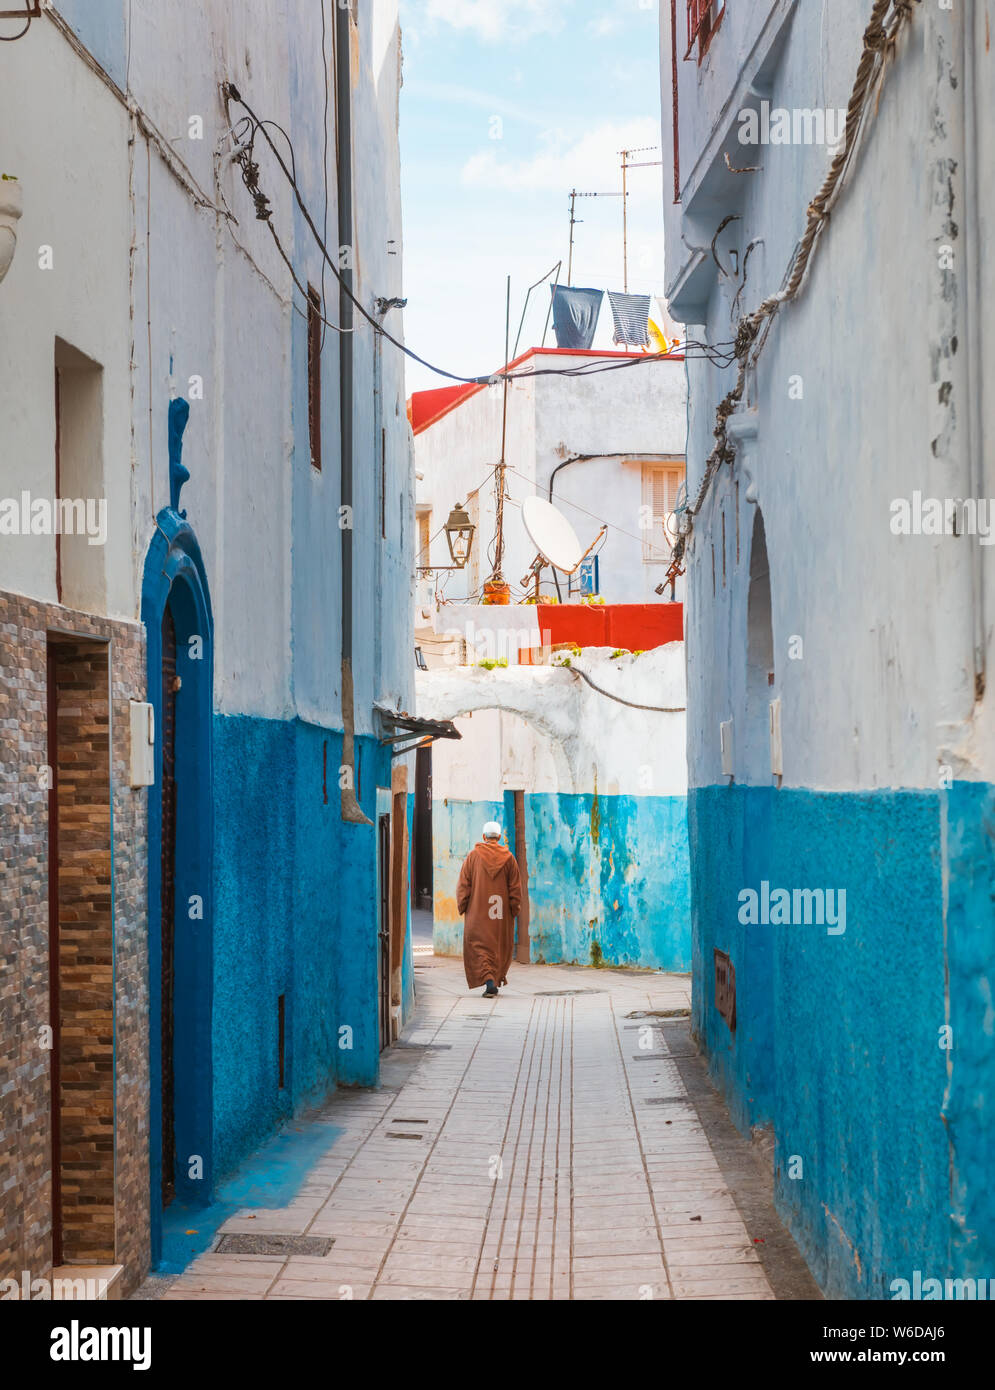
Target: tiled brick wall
25,1130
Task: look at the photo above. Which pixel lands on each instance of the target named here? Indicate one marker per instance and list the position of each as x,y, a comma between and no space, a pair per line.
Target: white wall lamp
10,212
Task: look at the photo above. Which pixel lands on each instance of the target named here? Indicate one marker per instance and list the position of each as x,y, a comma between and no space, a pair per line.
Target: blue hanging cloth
575,316
631,314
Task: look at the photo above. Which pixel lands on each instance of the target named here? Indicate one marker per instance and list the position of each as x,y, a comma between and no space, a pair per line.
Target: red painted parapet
642,626
633,626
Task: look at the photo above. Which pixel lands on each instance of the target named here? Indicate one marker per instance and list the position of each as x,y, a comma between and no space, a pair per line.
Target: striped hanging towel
631,314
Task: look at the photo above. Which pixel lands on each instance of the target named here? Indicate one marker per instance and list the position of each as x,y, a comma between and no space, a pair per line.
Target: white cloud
595,156
494,20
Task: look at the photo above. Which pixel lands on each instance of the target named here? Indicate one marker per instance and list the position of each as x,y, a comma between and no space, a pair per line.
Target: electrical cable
653,709
324,166
565,501
264,213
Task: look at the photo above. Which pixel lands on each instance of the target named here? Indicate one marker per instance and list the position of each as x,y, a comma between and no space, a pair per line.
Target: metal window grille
703,20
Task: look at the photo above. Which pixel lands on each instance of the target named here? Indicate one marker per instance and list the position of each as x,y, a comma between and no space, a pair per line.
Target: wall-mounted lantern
459,536
10,212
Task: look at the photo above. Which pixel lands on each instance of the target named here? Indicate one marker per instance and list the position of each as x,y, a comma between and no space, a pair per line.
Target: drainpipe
350,807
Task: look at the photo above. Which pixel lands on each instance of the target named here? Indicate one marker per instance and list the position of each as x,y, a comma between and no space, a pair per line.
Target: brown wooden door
168,899
383,934
52,693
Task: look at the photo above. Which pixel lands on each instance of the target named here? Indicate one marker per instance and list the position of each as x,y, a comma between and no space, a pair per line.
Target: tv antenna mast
574,195
626,165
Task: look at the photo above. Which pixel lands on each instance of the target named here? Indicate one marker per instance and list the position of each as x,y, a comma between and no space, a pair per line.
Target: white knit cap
492,831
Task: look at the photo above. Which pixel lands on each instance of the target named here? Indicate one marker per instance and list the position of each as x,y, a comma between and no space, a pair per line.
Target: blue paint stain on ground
270,1178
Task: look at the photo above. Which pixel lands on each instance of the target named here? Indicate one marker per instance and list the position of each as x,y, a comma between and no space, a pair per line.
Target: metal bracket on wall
406,732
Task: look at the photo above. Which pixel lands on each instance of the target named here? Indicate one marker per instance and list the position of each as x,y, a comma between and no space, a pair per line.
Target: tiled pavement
540,1146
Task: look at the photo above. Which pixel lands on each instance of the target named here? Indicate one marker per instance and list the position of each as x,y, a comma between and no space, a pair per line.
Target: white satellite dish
551,534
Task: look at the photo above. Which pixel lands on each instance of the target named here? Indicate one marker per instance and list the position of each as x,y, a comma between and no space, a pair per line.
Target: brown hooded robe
489,893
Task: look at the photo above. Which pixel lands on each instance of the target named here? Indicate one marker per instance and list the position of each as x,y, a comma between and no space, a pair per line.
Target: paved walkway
540,1146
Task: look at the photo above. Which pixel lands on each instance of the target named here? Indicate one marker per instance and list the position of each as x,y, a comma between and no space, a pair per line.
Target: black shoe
490,991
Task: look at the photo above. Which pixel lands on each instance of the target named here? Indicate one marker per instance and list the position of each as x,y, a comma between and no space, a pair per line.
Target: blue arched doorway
176,612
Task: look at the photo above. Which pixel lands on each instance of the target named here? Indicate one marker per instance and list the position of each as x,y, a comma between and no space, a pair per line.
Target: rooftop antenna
574,195
497,578
626,165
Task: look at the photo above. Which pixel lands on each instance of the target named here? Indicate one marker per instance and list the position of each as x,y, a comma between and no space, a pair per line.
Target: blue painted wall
102,27
608,877
292,884
837,1038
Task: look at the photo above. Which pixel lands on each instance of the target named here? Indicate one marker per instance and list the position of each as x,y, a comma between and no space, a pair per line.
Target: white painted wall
891,350
591,738
499,751
159,288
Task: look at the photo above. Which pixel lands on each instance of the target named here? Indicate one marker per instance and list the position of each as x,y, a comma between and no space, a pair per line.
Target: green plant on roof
9,178
491,662
594,600
619,651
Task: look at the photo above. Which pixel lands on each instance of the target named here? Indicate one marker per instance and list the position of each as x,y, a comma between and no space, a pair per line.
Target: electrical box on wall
142,743
725,743
776,762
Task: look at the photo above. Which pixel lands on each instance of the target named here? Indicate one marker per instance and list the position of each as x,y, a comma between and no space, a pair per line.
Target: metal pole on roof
521,323
626,165
500,470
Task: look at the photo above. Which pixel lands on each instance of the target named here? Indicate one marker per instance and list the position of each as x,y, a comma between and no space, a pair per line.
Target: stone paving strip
540,1146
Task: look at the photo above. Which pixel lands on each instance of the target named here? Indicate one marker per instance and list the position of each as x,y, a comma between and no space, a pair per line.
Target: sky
506,106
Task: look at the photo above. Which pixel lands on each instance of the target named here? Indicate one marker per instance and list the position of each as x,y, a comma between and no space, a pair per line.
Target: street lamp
459,536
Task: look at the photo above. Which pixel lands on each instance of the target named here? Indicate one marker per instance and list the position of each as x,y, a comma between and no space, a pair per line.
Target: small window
661,486
704,18
314,317
424,538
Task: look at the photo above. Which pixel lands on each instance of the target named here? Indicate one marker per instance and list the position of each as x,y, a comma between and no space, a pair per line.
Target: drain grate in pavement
666,1100
397,1120
402,1134
559,993
423,1047
659,1013
651,1056
274,1245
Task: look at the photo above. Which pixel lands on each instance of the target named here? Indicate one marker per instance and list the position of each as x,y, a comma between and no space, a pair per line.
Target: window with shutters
704,18
662,483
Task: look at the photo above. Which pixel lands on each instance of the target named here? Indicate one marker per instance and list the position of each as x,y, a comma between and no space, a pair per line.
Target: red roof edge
425,408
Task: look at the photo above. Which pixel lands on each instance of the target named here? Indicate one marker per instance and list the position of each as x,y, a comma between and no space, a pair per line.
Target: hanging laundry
575,316
631,314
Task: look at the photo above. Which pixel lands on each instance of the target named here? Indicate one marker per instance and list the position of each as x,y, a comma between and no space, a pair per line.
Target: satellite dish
551,534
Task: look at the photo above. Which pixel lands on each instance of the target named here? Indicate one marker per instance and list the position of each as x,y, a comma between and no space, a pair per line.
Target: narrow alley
497,591
561,1142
